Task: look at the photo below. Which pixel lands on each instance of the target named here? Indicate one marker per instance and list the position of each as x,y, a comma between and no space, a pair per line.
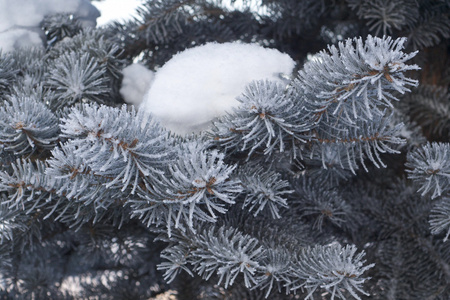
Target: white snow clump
201,84
20,19
135,83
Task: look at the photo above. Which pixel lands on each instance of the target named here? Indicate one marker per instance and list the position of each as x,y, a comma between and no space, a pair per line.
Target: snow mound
201,84
135,84
20,19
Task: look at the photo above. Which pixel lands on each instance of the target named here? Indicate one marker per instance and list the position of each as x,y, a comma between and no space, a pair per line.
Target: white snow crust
116,10
201,84
135,84
20,19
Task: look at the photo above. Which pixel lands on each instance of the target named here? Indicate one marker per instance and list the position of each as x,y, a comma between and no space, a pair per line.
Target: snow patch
201,84
135,84
116,10
20,19
17,38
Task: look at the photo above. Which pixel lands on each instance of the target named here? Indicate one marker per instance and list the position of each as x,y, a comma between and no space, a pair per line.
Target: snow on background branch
20,19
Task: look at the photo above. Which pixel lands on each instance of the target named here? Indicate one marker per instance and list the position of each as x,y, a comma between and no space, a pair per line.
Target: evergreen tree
332,185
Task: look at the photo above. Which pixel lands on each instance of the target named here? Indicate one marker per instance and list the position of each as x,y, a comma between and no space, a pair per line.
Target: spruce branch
429,106
77,78
222,251
11,220
27,187
411,132
94,42
429,166
196,186
175,261
333,268
75,181
430,29
59,26
292,18
357,78
115,144
384,17
32,68
227,252
311,200
363,140
440,217
27,125
268,203
263,190
8,72
154,17
268,118
274,271
330,165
